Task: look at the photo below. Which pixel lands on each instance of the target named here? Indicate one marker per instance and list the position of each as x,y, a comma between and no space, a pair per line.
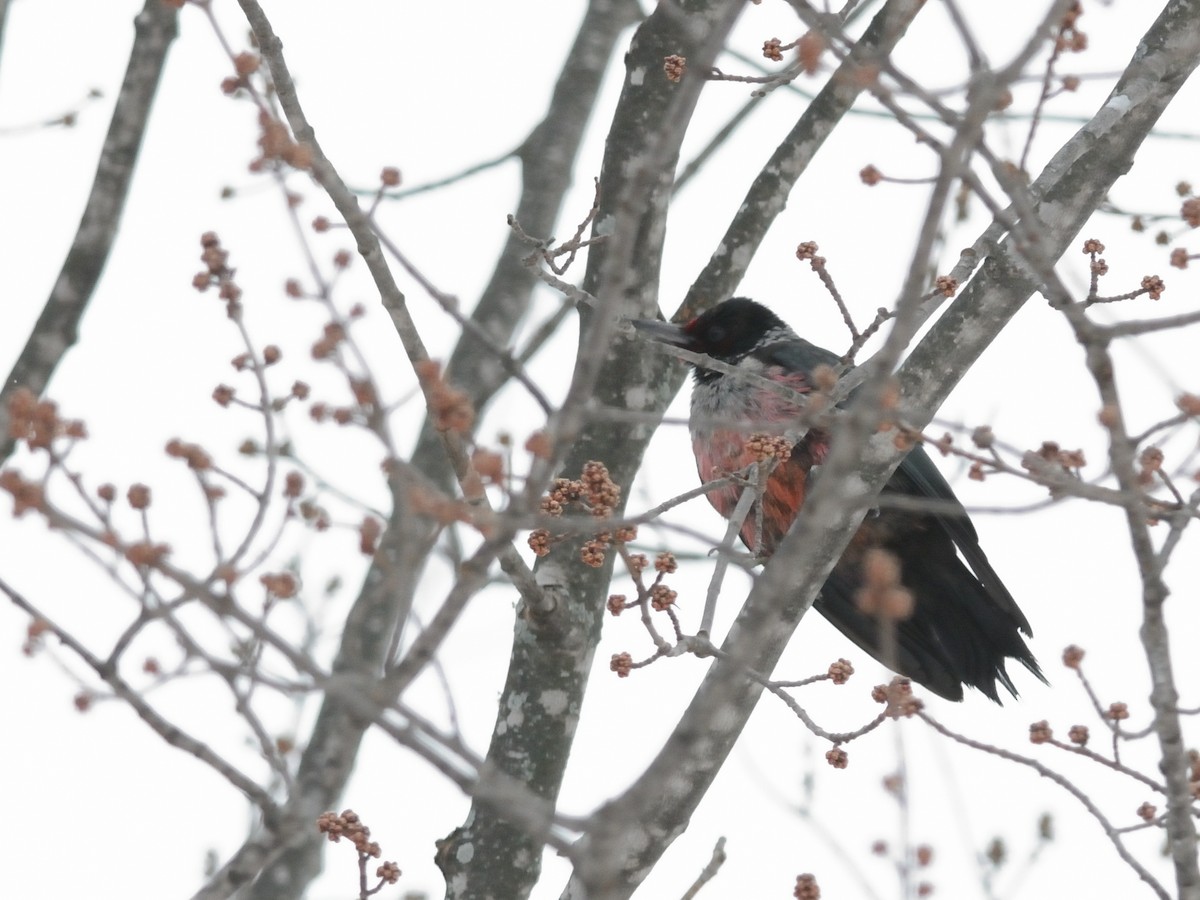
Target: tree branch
57,328
552,653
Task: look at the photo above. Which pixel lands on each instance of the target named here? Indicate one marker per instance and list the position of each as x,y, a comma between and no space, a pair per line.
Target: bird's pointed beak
665,332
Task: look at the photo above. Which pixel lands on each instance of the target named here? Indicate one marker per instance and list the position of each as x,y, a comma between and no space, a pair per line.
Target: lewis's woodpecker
964,624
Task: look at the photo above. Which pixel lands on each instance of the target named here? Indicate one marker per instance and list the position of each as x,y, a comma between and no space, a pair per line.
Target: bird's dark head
730,331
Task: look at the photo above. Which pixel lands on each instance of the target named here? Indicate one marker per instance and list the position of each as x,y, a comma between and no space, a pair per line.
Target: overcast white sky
96,803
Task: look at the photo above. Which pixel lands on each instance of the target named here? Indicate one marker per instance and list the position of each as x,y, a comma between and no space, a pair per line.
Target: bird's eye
716,334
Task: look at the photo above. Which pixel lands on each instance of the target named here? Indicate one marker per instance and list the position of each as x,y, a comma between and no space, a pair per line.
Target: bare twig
167,730
1113,833
751,493
709,872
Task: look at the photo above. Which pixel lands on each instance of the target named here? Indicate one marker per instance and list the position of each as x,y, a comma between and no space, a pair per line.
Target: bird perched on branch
918,570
